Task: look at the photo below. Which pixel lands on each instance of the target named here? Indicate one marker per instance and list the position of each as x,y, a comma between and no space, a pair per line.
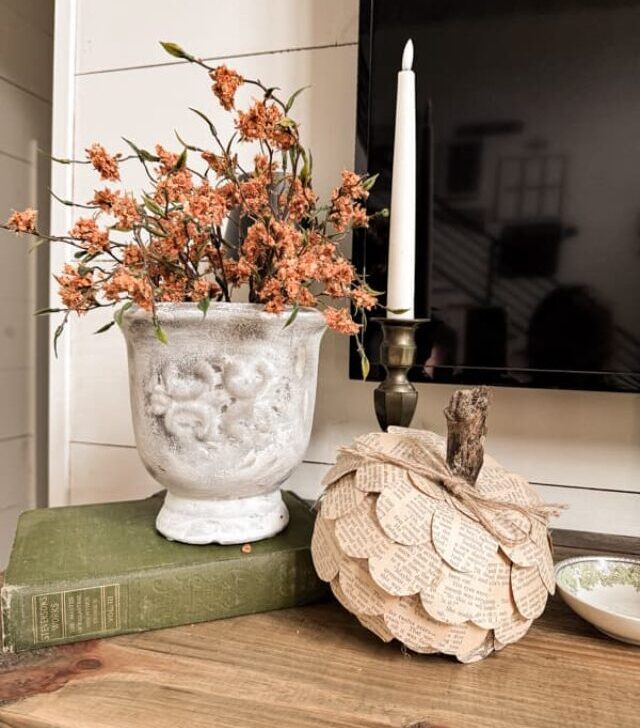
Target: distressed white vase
222,413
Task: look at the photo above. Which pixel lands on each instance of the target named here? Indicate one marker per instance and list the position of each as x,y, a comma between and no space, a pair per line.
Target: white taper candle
402,224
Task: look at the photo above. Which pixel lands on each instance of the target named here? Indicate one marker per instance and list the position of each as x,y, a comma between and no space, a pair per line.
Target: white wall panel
16,470
8,520
15,392
26,52
121,34
24,118
101,473
36,12
25,91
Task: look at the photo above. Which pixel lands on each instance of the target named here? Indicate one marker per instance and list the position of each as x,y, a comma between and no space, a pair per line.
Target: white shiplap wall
583,446
26,38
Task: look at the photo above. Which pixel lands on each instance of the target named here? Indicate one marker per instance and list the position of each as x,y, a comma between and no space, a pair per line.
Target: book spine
64,612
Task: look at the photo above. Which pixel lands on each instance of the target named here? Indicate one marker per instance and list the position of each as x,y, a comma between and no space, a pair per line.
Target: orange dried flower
104,199
360,217
208,205
175,187
298,200
168,160
23,221
254,195
340,320
132,256
76,290
226,83
202,288
123,283
105,164
219,163
126,211
265,122
86,230
363,298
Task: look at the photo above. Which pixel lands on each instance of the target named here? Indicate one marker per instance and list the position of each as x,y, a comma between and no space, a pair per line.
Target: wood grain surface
315,666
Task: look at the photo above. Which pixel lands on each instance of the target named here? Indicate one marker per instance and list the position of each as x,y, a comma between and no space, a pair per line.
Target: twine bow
431,465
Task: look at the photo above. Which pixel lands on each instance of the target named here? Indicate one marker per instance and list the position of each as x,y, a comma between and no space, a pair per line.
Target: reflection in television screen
528,244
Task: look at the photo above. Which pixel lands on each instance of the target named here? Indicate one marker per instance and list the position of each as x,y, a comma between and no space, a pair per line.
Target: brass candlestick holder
396,398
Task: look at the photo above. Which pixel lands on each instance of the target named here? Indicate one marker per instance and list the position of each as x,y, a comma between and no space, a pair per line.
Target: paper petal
511,630
524,554
497,645
375,477
478,653
359,533
426,438
325,552
463,639
547,572
428,487
403,570
498,604
529,591
344,464
405,513
457,597
464,545
363,595
377,625
340,498
410,624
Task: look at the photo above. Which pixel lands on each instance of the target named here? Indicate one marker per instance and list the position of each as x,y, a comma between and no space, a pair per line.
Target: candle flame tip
407,56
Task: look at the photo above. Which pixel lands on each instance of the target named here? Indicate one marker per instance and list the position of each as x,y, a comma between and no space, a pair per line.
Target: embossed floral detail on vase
222,413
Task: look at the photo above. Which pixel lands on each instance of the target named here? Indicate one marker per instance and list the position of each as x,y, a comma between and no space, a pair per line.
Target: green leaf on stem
68,203
182,160
45,311
62,160
37,244
364,365
305,172
203,305
173,49
152,205
190,147
370,181
104,328
142,154
205,118
58,334
293,97
292,316
230,144
160,334
121,311
286,123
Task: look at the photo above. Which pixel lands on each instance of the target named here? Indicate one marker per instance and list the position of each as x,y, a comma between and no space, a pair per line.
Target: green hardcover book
82,572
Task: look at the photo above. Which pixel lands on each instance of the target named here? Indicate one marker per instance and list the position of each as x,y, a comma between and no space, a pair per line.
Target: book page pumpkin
432,543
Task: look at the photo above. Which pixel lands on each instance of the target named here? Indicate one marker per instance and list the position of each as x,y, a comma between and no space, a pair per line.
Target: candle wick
407,56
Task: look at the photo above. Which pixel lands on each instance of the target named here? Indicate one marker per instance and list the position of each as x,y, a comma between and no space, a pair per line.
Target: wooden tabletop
316,667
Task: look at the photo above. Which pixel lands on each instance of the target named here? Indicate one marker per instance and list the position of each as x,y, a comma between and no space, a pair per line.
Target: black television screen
528,209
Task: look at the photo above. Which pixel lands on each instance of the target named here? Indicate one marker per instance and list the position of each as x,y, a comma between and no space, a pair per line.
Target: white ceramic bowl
604,590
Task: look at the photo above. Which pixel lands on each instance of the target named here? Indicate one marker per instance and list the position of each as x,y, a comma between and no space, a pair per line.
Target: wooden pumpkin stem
466,427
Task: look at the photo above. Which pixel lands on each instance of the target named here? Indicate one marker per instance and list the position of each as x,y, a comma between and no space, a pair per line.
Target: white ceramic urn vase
222,413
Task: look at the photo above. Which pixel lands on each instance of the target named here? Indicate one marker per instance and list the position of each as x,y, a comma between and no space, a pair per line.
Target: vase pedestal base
239,520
